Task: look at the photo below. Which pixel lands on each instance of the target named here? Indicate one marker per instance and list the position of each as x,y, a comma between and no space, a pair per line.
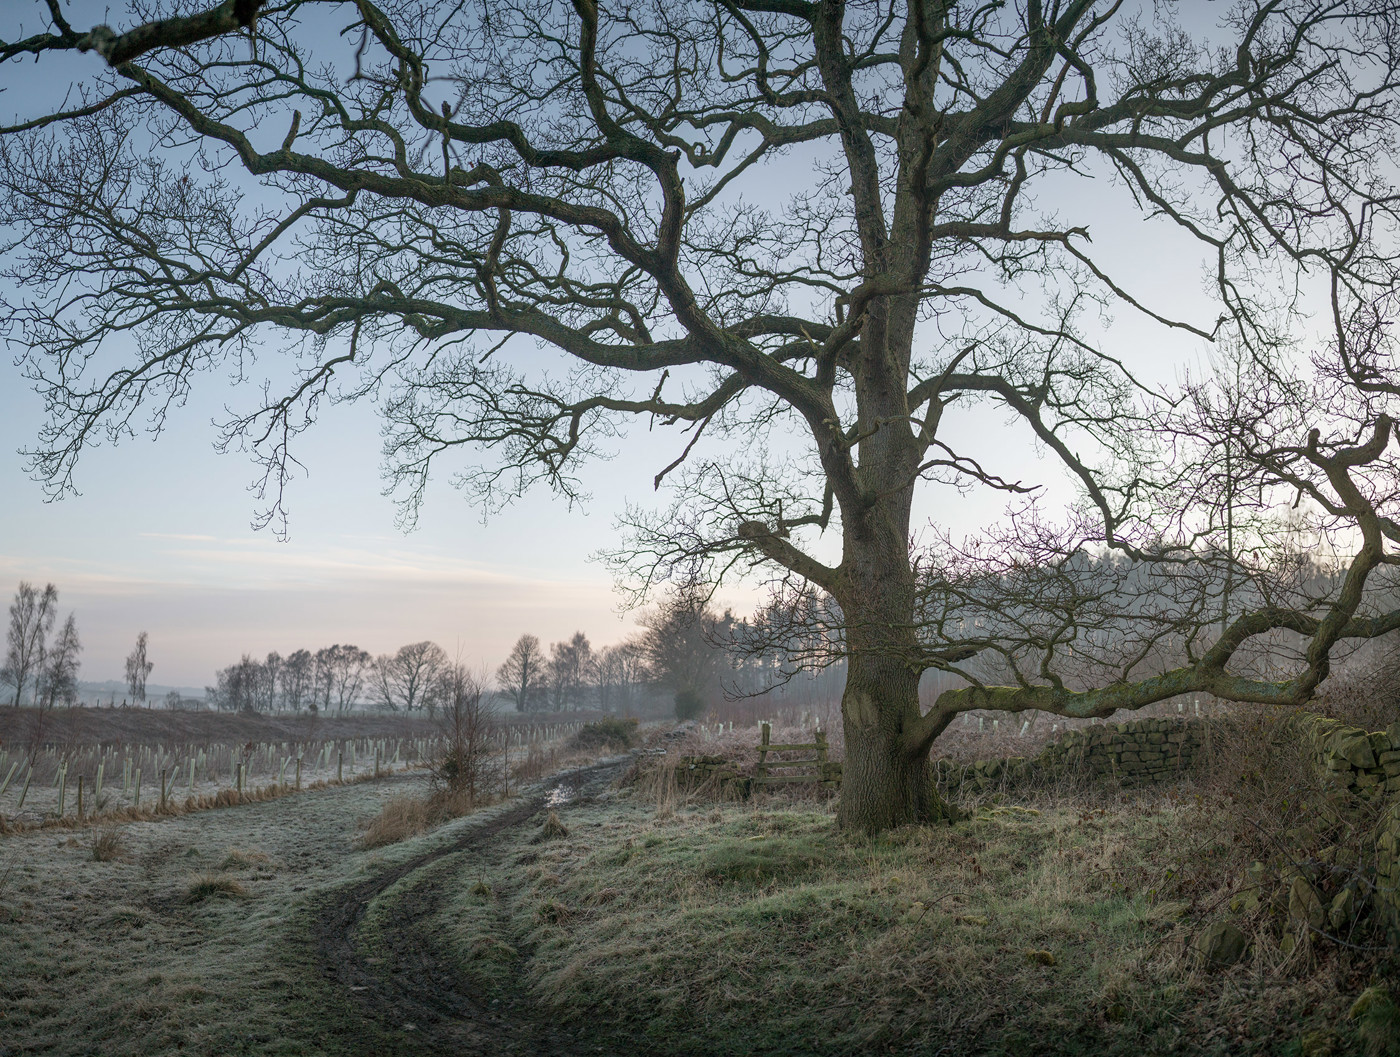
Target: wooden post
163,787
6,783
62,788
238,780
376,762
138,787
298,770
80,798
340,766
821,749
767,737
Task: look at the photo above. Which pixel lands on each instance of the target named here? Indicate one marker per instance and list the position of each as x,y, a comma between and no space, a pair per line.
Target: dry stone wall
1362,763
1137,752
1388,869
1366,762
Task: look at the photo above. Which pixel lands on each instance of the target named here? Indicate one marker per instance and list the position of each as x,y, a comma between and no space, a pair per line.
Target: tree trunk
887,780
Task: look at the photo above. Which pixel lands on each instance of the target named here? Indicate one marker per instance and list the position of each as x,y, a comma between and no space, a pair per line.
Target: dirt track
409,991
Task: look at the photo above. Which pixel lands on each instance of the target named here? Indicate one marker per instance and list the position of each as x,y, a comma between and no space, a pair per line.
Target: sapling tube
25,791
137,783
6,783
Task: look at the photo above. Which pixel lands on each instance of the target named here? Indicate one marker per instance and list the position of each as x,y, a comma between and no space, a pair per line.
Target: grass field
635,920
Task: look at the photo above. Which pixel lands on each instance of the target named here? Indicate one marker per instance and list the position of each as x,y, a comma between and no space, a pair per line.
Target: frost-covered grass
1049,926
760,928
193,940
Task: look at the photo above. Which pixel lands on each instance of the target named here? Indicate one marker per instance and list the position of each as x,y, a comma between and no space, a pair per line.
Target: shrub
214,886
401,818
689,705
107,845
610,733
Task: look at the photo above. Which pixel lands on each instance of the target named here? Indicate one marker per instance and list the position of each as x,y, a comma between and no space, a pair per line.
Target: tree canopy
806,235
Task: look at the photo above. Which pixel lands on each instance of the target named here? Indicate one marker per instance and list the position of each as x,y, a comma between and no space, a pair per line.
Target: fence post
163,789
298,771
80,798
767,730
340,766
138,787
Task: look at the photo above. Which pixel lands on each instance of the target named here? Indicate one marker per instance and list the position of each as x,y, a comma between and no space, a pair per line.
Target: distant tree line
686,657
330,680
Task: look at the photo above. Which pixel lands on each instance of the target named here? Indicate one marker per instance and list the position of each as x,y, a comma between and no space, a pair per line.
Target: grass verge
743,929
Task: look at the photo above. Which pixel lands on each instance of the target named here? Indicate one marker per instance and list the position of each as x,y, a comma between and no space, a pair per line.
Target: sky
160,538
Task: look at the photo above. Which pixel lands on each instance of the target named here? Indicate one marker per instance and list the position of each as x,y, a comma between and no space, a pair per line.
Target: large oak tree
813,232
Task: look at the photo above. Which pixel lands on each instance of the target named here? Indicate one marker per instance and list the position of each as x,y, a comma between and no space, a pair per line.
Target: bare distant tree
269,674
345,668
236,687
467,726
522,671
569,669
410,679
679,642
298,677
32,616
59,683
621,673
137,669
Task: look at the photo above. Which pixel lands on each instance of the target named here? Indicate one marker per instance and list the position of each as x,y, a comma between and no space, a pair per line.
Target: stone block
1221,945
1355,747
1128,757
1380,741
1366,780
1304,904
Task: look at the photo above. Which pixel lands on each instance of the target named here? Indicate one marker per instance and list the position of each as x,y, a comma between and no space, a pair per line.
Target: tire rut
408,990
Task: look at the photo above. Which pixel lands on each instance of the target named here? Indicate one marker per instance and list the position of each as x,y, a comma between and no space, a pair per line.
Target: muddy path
407,989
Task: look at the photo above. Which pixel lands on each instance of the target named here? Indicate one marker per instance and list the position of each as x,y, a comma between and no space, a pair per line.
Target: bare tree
32,617
523,671
137,669
268,675
595,177
238,688
621,674
298,674
345,674
681,648
411,678
467,763
568,670
59,682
